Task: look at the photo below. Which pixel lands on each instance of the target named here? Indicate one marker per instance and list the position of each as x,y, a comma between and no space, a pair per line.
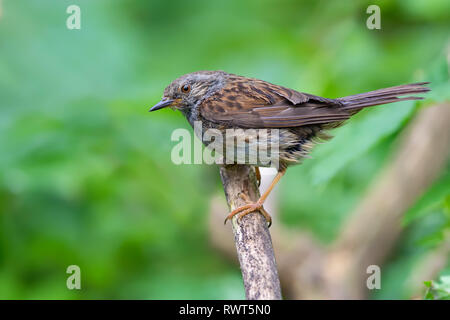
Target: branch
298,255
251,236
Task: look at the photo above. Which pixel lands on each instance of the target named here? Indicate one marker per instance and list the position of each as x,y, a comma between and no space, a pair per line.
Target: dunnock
224,101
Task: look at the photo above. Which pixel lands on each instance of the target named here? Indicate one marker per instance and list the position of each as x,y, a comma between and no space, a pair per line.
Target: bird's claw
249,208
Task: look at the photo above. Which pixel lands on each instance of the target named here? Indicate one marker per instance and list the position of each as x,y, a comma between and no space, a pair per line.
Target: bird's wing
252,103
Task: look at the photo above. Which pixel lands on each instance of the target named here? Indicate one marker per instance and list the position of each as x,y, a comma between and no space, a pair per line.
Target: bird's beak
162,104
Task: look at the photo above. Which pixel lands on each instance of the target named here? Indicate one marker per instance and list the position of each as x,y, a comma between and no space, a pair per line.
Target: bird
223,101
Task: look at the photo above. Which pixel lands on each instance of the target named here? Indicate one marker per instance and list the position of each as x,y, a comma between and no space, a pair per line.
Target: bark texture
251,236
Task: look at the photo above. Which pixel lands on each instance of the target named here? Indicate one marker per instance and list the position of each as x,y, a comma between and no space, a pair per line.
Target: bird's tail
388,95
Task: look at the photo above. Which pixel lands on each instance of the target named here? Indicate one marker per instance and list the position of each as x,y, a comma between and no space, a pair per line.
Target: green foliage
85,170
437,197
438,290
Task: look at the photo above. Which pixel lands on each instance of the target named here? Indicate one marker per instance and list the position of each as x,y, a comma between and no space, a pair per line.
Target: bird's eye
186,88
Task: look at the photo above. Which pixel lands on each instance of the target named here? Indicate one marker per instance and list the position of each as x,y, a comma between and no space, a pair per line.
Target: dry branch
251,236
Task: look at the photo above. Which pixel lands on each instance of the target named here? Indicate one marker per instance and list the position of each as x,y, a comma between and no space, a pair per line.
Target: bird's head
188,90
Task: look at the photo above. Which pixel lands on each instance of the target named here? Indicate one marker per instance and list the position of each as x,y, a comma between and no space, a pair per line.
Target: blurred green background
85,171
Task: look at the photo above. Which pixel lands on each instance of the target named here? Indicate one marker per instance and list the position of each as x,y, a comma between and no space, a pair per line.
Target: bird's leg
258,205
258,175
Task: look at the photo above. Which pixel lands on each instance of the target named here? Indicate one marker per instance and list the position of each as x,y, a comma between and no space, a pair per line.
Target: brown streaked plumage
227,101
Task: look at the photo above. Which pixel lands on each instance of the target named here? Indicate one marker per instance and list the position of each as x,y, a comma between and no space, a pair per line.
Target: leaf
438,290
435,197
